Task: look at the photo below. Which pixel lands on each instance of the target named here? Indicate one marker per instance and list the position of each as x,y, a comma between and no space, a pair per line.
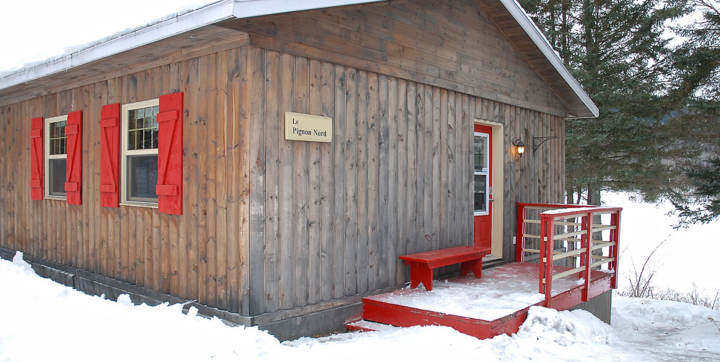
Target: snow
498,293
687,258
45,321
572,209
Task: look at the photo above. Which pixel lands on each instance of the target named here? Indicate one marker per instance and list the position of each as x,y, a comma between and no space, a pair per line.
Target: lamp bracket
538,141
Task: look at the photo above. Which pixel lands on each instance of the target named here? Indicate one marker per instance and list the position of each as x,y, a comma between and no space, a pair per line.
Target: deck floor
494,304
501,291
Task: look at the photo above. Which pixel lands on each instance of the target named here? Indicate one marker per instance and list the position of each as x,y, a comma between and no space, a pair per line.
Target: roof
240,9
544,46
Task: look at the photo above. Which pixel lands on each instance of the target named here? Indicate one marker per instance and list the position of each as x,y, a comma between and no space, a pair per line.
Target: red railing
574,225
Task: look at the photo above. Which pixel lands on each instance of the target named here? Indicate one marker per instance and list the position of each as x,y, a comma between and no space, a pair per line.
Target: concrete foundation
599,306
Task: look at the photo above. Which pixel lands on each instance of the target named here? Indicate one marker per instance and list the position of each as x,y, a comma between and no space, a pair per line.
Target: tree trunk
569,194
594,199
564,32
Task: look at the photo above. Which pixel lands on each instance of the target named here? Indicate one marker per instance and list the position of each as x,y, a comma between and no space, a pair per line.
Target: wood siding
329,220
450,44
201,255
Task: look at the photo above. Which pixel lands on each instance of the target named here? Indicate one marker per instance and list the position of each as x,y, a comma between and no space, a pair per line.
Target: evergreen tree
616,50
698,76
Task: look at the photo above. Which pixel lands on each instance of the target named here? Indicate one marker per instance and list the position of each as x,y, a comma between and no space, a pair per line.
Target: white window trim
126,108
485,172
48,156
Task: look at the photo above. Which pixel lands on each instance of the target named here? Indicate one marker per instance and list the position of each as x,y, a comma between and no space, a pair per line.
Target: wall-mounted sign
307,127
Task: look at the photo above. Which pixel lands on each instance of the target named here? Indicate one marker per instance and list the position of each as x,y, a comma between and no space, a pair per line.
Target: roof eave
179,24
538,38
184,22
226,9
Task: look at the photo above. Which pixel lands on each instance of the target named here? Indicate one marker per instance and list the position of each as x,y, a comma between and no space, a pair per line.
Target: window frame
48,157
486,173
124,152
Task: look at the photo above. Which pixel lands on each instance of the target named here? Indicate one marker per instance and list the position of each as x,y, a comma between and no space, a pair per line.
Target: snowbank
41,320
682,330
44,321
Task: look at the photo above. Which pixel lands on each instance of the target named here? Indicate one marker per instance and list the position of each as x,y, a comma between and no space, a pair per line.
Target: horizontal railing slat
558,256
568,235
601,244
568,272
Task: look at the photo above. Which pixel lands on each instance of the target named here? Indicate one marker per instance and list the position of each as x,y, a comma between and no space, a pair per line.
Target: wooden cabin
165,159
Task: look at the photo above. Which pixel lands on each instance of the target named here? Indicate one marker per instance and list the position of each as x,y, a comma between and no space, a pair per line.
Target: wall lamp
519,147
538,141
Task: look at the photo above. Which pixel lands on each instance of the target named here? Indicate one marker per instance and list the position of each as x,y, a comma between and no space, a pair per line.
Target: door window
481,157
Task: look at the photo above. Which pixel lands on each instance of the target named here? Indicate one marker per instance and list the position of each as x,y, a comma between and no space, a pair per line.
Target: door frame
498,156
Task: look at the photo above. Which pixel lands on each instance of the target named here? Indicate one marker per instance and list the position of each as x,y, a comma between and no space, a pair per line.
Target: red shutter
73,169
37,167
110,155
170,169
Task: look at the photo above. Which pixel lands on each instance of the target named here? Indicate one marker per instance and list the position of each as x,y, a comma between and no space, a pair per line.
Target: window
481,160
139,160
55,157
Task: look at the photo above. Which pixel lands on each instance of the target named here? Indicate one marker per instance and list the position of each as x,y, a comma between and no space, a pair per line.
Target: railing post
520,241
550,228
587,224
615,237
583,244
541,261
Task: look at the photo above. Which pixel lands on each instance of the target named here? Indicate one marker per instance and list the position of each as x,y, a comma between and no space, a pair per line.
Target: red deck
496,304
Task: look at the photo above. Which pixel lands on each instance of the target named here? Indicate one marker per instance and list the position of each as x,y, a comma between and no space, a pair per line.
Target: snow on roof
191,19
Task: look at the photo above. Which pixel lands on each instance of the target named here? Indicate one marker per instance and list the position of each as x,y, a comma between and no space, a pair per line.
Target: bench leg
475,266
420,273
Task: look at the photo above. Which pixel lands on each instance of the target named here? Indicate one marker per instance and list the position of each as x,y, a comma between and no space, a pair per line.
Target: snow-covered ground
44,321
688,256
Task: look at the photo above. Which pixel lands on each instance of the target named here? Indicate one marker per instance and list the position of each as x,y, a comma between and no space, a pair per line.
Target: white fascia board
148,34
252,8
541,42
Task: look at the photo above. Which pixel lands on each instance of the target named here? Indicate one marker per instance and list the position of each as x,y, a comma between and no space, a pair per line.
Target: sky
32,31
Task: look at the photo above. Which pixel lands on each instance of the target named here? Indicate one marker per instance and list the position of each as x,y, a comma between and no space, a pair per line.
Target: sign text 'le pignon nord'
307,127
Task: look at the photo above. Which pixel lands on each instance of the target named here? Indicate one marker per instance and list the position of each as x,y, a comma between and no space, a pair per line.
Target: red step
381,312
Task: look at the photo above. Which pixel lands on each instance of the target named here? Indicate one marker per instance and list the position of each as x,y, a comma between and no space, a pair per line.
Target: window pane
480,193
142,178
147,139
480,153
155,137
131,140
57,177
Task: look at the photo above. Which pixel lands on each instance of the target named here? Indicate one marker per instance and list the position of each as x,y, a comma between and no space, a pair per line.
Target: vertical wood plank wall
271,224
329,219
201,255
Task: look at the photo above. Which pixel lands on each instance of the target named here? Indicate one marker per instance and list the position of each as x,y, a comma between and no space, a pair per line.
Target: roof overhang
241,9
543,45
162,29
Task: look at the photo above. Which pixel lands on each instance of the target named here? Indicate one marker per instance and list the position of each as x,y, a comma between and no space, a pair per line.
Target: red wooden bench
422,264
